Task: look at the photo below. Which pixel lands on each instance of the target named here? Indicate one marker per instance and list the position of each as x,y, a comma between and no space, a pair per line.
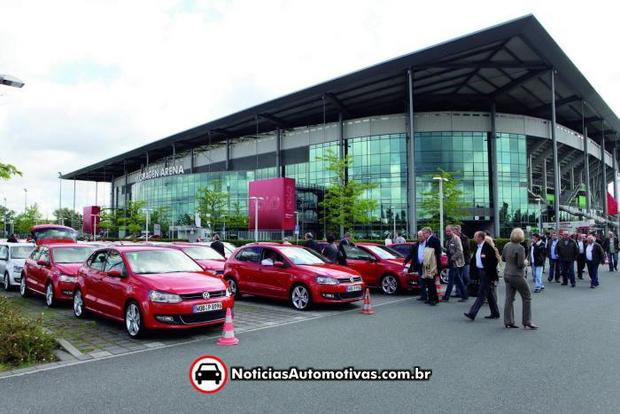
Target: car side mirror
279,264
43,263
115,273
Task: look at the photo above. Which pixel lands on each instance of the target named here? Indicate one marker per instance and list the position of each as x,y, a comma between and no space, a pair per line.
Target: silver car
12,259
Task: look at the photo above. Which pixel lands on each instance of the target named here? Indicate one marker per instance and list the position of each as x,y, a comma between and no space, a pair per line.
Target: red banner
612,205
277,200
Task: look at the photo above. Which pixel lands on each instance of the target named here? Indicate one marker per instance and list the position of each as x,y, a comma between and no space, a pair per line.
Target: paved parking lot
96,337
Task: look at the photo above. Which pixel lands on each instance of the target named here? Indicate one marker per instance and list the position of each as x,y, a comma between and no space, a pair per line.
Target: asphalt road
570,365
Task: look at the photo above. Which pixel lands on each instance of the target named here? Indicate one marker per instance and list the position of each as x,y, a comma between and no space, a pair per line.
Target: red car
380,267
53,233
51,270
291,273
150,288
205,256
405,248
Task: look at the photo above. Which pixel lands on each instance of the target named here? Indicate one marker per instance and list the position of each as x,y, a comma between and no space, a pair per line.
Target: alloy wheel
78,304
49,295
7,285
133,320
300,297
389,285
23,290
232,286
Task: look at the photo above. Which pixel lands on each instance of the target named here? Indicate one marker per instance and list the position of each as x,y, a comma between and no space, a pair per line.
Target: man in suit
484,264
217,245
595,255
554,264
581,254
347,240
567,254
610,245
415,263
427,239
310,243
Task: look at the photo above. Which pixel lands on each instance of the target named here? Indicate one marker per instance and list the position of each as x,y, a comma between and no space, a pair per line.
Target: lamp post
540,225
95,226
25,199
60,220
256,204
5,217
297,226
394,222
441,180
146,236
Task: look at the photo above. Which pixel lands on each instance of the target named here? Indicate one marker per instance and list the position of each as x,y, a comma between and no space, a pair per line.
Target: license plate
354,288
207,307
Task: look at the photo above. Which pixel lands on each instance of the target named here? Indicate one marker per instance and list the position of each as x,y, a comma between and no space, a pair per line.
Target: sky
104,77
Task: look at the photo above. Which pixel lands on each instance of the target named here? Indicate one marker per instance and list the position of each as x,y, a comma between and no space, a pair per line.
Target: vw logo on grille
352,279
206,295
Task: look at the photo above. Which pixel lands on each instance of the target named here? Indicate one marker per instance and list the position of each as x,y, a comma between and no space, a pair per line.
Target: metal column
572,178
494,174
616,186
586,163
342,149
556,172
603,172
279,166
530,176
544,180
411,184
191,161
227,154
126,187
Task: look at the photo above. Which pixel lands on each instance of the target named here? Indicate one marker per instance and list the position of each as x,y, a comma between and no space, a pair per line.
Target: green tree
108,221
7,171
27,219
452,201
69,217
211,205
236,218
135,219
161,216
6,216
345,202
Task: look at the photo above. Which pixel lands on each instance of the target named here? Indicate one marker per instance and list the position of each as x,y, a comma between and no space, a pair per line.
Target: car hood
217,265
18,262
182,283
329,269
69,269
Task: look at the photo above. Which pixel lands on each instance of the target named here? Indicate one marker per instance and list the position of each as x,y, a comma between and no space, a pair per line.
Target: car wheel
23,289
79,310
232,285
444,276
389,284
300,297
6,282
133,320
49,295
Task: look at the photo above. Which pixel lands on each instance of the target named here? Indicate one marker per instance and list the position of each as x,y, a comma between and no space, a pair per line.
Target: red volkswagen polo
51,270
291,273
150,288
381,267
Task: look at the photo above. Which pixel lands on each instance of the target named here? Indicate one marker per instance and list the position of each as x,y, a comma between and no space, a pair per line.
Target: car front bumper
337,293
181,315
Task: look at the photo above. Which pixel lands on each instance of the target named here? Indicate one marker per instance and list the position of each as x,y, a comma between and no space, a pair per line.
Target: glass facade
378,159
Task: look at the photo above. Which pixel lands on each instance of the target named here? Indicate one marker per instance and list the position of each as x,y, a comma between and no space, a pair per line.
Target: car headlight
17,269
67,278
326,280
163,297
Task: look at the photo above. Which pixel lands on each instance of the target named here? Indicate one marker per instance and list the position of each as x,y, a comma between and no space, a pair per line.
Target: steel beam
554,141
227,154
586,162
411,176
279,166
482,64
516,82
494,174
603,173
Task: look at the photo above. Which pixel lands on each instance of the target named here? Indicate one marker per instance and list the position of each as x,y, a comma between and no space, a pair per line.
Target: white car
12,259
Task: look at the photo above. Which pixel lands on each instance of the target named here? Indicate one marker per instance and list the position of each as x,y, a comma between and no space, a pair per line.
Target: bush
23,340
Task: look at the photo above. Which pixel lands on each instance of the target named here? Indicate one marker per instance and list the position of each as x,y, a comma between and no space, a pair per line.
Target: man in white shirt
400,239
581,256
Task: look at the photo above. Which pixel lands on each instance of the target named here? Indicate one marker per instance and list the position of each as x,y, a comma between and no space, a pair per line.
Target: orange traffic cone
228,336
441,289
367,308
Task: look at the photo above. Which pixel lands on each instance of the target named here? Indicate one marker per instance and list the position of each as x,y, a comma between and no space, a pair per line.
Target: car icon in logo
208,372
206,295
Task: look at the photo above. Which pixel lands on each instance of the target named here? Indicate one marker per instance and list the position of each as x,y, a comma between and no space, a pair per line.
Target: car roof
17,244
367,244
63,245
137,248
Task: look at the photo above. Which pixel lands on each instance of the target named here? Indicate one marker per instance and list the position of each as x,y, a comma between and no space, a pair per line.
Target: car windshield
71,254
21,252
384,252
160,261
55,234
202,253
301,256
